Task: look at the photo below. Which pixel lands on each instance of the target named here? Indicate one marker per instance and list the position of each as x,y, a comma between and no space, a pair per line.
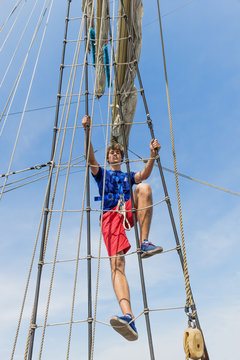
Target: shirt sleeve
132,177
99,175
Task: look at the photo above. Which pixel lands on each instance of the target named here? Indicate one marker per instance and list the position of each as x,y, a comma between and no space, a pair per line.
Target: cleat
148,249
125,326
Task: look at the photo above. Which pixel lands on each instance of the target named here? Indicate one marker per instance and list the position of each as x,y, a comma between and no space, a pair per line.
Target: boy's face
114,156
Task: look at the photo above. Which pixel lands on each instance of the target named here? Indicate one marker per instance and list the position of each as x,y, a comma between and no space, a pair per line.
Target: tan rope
189,299
64,194
105,2
53,197
84,193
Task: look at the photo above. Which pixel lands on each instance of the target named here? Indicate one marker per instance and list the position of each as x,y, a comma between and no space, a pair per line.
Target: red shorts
113,231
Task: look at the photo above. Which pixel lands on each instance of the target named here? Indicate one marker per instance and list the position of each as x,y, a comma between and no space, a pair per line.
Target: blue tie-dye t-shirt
116,183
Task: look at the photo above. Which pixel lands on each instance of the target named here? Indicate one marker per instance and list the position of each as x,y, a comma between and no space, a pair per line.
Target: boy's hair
115,146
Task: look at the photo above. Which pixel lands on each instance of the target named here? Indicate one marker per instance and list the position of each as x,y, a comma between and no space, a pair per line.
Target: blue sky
202,55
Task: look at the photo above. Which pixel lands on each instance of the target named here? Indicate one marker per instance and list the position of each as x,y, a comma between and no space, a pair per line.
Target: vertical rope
11,13
46,200
143,287
189,299
104,176
19,41
89,275
30,86
65,189
14,23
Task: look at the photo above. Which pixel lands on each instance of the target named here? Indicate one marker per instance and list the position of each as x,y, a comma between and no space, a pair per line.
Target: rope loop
191,314
121,209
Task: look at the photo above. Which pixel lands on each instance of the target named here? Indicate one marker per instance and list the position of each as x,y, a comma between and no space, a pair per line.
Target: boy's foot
148,249
125,326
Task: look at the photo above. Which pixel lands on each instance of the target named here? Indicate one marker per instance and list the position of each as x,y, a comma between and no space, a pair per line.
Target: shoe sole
147,254
123,328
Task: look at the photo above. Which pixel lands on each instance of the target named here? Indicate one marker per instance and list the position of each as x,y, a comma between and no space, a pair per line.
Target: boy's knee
144,189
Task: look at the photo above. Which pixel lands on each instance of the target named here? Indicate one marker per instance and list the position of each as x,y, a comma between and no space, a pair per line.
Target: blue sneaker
148,249
125,326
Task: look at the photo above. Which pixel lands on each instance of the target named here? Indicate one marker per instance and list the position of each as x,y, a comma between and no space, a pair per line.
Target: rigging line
105,94
40,108
73,76
189,296
101,211
11,13
40,166
190,177
203,182
54,151
29,89
27,285
107,324
46,205
78,48
86,181
160,168
189,299
89,261
35,180
35,167
17,81
14,23
140,265
40,178
170,12
20,39
105,5
41,172
103,257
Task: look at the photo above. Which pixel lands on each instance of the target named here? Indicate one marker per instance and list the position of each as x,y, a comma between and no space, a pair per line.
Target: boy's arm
146,172
92,160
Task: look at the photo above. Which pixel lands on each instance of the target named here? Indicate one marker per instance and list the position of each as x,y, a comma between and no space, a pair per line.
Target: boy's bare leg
143,198
120,283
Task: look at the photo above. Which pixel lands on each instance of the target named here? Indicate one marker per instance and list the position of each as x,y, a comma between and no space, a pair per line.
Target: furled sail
126,72
101,42
87,9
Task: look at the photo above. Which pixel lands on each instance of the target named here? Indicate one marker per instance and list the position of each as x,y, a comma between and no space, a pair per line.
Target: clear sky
202,56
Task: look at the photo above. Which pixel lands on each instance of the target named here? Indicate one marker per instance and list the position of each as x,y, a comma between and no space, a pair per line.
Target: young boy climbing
117,197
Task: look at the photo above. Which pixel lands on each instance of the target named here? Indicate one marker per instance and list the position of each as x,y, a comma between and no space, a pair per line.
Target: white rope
19,42
11,13
104,176
53,197
29,273
15,86
121,209
101,210
14,23
29,90
106,257
32,181
84,196
64,194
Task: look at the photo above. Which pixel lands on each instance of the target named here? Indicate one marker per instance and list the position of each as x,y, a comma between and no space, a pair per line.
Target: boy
114,223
